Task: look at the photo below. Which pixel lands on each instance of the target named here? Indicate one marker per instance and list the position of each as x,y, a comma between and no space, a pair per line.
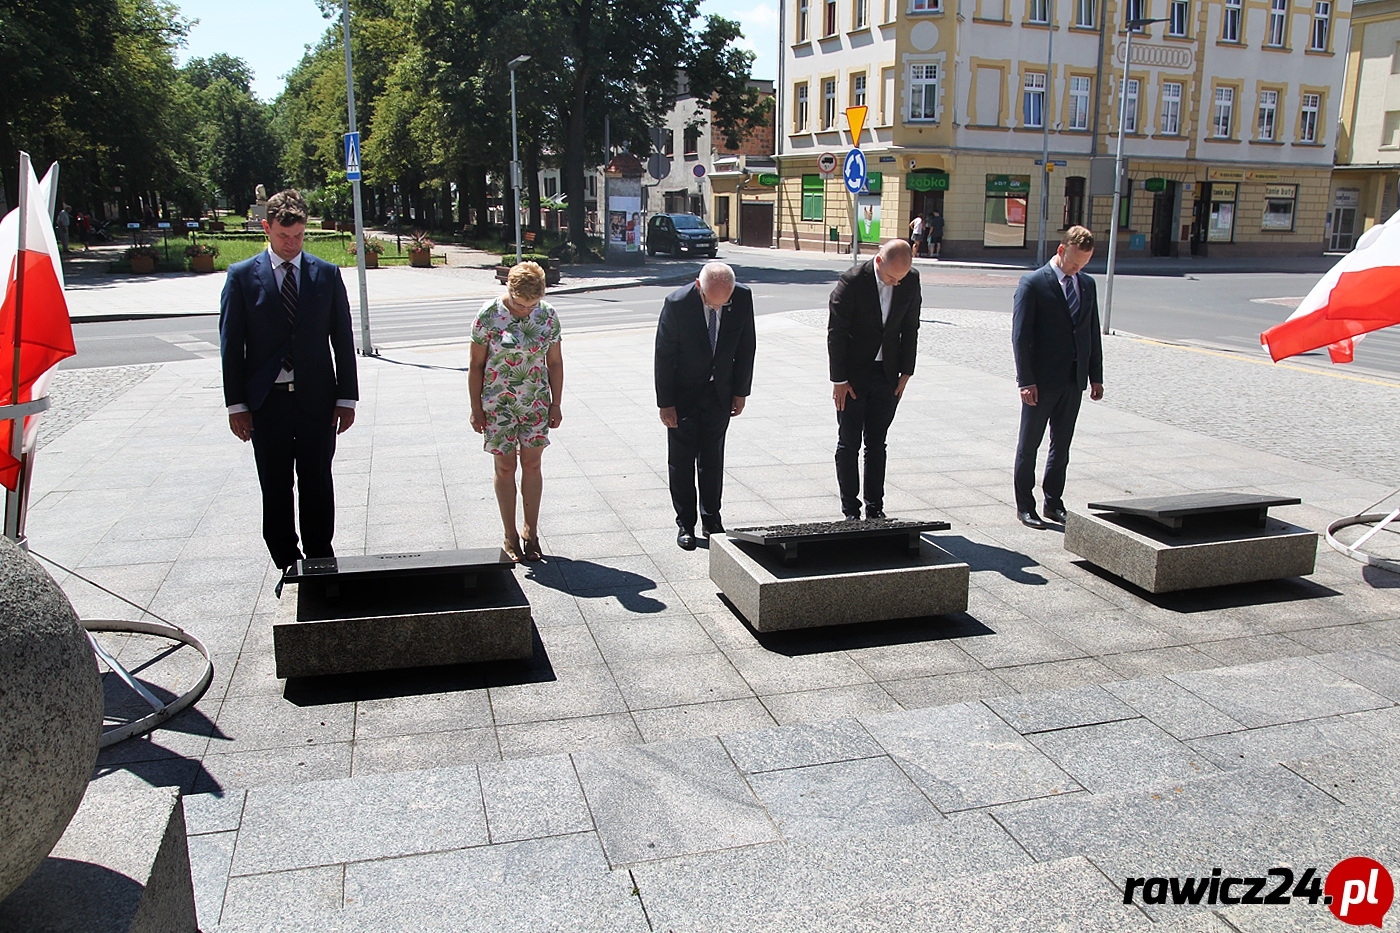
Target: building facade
742,190
1229,121
1368,145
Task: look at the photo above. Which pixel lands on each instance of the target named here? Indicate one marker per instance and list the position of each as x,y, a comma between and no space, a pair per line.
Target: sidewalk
658,765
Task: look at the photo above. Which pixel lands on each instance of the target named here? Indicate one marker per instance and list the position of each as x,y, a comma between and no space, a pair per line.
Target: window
1224,112
925,6
1130,105
1038,11
804,8
1179,14
1079,103
887,101
1307,120
1230,25
1137,10
858,91
692,142
923,93
1278,22
1074,201
551,187
1033,99
861,15
1084,13
1322,20
1390,130
668,142
828,103
800,114
813,198
1268,111
830,20
1395,60
1279,201
1171,109
592,186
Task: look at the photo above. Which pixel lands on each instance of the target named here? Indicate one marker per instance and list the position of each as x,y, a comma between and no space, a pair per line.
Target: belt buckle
291,386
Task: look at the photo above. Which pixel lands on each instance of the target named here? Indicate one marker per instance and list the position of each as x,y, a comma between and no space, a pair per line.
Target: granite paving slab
1171,706
1359,779
282,901
1376,669
1114,756
533,798
1273,692
1061,709
964,756
670,798
1271,745
800,746
844,797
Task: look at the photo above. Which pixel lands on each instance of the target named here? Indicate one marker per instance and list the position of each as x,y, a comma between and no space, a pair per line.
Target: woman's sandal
532,549
512,550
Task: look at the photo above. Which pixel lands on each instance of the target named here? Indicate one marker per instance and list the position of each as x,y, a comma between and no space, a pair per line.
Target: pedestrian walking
516,383
916,234
933,234
61,224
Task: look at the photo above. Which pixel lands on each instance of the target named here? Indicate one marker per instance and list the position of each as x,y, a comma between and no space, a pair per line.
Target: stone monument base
837,586
424,622
1160,561
122,866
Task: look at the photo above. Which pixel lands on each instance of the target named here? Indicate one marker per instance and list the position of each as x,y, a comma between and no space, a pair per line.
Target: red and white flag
45,333
1361,293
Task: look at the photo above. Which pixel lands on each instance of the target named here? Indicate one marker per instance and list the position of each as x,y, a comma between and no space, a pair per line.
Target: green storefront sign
1010,186
768,180
1155,184
926,181
874,182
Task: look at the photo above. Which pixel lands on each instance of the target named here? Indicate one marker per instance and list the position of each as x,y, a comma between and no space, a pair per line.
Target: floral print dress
515,391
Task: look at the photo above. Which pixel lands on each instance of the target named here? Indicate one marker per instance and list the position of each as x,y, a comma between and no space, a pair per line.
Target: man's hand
342,418
241,424
737,408
1096,390
899,389
1030,395
478,420
839,393
668,417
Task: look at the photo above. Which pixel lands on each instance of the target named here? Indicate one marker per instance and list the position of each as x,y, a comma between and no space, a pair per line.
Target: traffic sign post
352,174
352,156
853,173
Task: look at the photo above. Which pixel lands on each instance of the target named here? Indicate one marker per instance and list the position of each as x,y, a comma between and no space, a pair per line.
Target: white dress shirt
886,298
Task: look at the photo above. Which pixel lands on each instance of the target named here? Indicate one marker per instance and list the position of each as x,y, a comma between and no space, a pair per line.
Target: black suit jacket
254,334
1051,352
854,333
684,363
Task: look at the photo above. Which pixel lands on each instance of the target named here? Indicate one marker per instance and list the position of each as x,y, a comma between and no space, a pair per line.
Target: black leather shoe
1056,513
1031,520
686,539
852,516
715,527
874,515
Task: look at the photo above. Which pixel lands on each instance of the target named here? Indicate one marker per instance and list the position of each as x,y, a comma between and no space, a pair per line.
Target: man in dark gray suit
1055,336
872,338
704,371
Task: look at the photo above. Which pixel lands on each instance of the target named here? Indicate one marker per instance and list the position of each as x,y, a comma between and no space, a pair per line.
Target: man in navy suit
704,372
1059,352
283,314
872,339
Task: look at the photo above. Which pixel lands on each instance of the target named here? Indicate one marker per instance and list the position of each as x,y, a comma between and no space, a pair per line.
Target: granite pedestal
386,614
835,585
1162,560
122,866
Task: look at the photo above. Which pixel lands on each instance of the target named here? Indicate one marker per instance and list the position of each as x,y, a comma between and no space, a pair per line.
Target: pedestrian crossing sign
352,156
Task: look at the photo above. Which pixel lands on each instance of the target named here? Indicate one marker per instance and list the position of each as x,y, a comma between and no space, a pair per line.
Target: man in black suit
1055,336
282,315
704,371
872,337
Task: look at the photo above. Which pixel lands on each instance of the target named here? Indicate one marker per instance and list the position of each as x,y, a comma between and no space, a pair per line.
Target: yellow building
1228,129
1368,143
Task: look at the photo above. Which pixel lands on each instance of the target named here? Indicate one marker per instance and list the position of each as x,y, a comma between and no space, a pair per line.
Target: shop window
1279,203
1074,201
1004,217
813,198
1221,227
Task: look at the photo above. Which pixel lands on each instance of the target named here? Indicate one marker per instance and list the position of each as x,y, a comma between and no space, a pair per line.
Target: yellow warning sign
855,118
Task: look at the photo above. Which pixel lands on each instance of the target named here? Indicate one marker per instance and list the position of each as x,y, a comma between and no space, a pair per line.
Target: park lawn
332,249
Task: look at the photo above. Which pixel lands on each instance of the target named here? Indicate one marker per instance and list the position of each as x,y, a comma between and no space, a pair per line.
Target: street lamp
1045,134
513,64
1132,25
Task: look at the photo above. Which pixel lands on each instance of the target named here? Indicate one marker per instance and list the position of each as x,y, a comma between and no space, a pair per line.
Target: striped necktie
714,327
289,305
1072,296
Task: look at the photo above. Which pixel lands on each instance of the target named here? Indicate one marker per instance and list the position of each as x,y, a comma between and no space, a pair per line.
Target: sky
271,35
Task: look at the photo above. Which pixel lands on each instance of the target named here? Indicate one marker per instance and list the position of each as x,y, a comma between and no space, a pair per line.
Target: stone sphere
50,714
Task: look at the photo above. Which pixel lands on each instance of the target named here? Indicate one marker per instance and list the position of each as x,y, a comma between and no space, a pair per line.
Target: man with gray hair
704,371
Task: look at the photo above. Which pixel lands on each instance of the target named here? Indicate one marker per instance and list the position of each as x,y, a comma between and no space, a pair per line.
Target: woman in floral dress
516,382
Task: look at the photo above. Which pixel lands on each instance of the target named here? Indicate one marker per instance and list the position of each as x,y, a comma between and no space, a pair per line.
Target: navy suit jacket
254,334
684,363
854,333
1051,352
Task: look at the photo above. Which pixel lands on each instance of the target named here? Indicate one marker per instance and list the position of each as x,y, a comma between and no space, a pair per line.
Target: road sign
163,225
855,119
352,156
133,226
191,225
699,171
1060,162
854,170
827,162
658,166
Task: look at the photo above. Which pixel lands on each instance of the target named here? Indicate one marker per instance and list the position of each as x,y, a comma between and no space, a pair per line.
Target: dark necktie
289,304
714,327
1072,296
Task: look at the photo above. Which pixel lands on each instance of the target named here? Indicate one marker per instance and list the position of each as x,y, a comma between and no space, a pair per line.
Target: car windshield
688,222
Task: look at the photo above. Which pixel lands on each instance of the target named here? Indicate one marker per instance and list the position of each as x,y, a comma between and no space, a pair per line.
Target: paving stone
283,900
912,659
1115,756
651,638
800,746
946,689
1377,669
684,722
374,816
273,766
1173,707
1365,779
266,722
844,797
1384,723
1281,691
647,683
1270,745
1060,709
428,712
210,856
531,798
1157,662
668,799
1039,678
830,703
583,691
213,813
425,750
768,673
560,736
963,756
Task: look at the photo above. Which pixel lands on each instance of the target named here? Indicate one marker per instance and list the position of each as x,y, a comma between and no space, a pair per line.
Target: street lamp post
366,345
1118,169
1045,135
515,150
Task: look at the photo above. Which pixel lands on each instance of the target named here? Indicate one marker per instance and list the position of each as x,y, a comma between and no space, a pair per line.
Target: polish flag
45,335
1361,293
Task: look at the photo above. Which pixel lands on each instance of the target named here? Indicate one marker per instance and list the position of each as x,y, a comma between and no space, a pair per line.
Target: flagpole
14,497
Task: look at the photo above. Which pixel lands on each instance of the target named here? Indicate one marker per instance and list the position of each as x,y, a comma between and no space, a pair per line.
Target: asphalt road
1226,310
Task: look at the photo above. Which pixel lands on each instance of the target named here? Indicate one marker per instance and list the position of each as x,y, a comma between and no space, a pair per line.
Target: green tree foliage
238,150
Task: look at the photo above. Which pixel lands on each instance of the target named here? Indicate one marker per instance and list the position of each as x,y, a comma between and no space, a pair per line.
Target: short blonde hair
526,281
1078,237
